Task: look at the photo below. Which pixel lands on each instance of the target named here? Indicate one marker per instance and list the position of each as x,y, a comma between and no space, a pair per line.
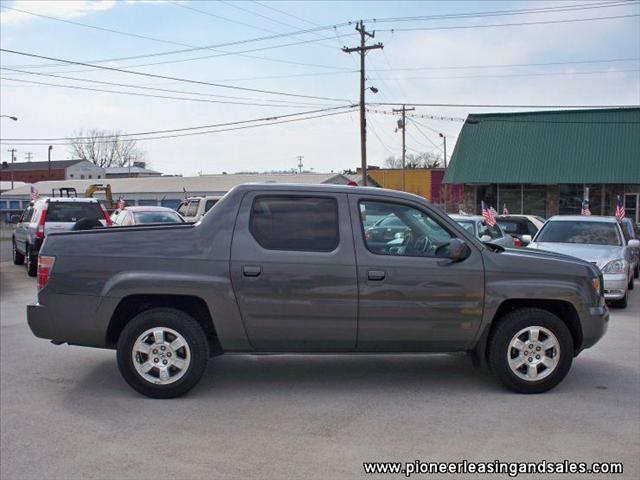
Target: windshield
73,211
157,217
509,226
494,232
592,233
467,225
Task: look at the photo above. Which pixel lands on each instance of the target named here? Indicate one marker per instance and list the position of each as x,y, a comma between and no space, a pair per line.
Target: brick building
32,172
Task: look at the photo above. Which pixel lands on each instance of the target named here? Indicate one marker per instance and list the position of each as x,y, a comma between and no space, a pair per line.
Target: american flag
121,203
620,213
34,193
585,208
488,215
505,210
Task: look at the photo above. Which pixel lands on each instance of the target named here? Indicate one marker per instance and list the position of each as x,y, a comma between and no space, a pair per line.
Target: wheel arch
563,309
131,305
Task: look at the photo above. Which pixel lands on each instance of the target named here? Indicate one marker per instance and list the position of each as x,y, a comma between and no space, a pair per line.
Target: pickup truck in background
284,268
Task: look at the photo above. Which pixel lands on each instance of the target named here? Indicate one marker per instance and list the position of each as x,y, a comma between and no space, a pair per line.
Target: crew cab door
412,296
22,228
293,271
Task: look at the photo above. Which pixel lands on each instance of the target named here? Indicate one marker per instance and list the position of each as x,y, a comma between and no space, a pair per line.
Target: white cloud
55,8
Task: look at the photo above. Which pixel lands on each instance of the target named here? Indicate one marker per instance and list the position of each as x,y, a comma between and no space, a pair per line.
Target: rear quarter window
73,211
295,223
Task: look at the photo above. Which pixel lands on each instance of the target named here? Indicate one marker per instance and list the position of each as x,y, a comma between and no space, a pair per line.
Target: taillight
517,242
40,229
45,265
106,215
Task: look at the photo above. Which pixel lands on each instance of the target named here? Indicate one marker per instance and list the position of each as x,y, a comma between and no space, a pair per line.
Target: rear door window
295,223
209,204
73,211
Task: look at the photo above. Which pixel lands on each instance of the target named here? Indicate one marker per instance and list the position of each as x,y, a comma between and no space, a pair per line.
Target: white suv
194,208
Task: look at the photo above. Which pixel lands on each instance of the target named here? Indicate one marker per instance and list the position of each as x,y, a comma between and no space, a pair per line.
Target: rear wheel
32,262
162,353
18,258
531,350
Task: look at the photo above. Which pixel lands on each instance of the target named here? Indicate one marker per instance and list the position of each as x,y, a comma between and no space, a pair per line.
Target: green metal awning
569,146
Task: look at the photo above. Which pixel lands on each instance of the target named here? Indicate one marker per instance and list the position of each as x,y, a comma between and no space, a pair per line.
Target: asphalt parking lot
66,413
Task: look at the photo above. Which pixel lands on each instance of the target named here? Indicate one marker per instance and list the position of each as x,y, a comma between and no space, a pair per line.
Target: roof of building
210,184
133,170
25,166
549,147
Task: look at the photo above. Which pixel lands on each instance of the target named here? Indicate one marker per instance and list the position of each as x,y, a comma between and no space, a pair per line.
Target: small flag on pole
34,193
121,203
585,208
620,213
488,214
505,210
186,195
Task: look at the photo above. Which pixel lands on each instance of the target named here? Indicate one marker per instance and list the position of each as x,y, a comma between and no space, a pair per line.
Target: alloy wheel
533,353
161,355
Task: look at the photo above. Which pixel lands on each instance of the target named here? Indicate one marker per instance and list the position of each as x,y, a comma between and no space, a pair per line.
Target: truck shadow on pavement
437,375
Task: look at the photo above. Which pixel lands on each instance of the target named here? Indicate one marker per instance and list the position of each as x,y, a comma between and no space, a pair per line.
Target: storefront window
488,195
534,200
570,202
511,195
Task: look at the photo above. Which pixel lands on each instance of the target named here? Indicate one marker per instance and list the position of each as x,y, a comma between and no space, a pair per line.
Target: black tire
18,258
32,262
499,349
636,272
173,319
622,303
631,283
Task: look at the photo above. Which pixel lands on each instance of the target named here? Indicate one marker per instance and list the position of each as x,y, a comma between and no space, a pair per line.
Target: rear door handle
251,270
376,275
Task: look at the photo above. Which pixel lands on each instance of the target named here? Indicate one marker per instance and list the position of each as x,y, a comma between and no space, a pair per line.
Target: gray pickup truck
286,268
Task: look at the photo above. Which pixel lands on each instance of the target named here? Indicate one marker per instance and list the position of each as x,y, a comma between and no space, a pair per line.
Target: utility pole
362,50
28,156
402,124
444,137
49,159
300,157
13,159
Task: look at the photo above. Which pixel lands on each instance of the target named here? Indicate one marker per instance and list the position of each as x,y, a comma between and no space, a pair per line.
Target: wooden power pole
403,125
362,50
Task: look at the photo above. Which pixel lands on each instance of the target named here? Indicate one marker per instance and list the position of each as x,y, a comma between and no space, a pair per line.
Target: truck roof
297,187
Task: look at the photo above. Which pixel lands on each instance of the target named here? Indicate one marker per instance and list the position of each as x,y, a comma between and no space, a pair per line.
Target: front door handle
376,275
251,270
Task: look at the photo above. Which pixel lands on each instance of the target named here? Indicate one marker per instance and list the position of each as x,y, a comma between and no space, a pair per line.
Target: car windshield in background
494,232
157,217
593,233
467,225
73,211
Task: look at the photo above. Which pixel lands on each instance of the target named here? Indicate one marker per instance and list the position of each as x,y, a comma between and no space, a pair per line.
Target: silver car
477,226
50,215
599,240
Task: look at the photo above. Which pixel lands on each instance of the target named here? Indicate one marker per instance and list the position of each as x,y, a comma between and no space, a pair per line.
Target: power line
186,80
145,87
518,24
500,13
511,65
507,75
184,129
497,105
203,132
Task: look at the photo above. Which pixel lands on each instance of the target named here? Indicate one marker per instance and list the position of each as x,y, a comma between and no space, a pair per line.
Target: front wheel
162,353
531,350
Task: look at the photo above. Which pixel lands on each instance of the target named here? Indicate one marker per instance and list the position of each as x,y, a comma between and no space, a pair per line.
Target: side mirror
485,238
458,250
15,219
634,243
526,239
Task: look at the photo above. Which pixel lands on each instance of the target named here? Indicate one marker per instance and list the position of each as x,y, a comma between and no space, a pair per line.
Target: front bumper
595,326
615,285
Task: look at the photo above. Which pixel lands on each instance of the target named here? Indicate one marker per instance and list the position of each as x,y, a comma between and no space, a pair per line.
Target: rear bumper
594,326
38,321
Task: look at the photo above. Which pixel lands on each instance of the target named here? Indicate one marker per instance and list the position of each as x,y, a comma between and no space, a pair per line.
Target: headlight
615,266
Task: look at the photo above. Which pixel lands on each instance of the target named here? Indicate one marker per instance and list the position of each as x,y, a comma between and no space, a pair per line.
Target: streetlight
49,160
15,119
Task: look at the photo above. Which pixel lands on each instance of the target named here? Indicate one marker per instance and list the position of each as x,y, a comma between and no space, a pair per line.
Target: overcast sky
593,62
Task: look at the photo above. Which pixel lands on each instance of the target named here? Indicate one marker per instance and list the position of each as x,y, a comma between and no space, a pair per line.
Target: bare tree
422,160
105,149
